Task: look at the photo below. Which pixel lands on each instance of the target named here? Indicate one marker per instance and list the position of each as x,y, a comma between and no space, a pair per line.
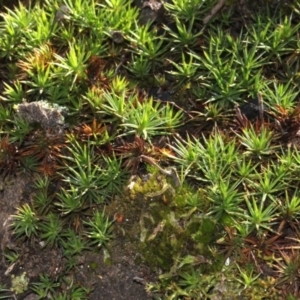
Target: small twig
177,106
260,107
139,280
214,10
9,269
172,172
119,65
241,117
256,263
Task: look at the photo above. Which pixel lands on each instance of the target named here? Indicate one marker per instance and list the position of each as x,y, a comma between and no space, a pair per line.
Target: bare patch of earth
121,279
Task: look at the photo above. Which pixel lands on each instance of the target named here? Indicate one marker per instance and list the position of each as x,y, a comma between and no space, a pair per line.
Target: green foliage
280,95
145,42
225,200
44,287
74,64
51,228
4,292
99,229
41,199
185,10
247,278
260,216
11,256
185,70
25,222
90,179
289,206
148,119
72,243
172,78
184,37
259,142
143,119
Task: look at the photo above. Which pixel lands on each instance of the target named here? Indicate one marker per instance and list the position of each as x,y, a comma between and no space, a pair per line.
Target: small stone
43,113
151,11
117,36
62,13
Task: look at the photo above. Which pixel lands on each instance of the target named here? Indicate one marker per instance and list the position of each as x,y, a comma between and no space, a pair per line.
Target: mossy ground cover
169,130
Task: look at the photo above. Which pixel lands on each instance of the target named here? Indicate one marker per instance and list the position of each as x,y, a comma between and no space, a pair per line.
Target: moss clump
19,284
169,230
151,186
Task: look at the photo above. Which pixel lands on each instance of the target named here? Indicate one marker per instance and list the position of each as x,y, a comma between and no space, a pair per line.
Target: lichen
43,113
19,284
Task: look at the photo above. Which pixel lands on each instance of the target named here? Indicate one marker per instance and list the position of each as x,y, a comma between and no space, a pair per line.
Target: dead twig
172,172
214,10
260,107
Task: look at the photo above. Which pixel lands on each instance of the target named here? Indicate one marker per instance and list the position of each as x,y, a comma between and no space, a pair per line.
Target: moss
165,227
19,284
93,266
202,230
154,183
173,232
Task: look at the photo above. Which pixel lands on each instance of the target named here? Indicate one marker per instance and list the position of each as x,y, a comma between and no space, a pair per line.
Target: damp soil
119,277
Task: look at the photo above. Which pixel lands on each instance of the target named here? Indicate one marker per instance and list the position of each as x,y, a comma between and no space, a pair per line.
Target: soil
122,278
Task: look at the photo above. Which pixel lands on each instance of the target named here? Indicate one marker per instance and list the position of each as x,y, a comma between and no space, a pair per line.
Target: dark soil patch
121,278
